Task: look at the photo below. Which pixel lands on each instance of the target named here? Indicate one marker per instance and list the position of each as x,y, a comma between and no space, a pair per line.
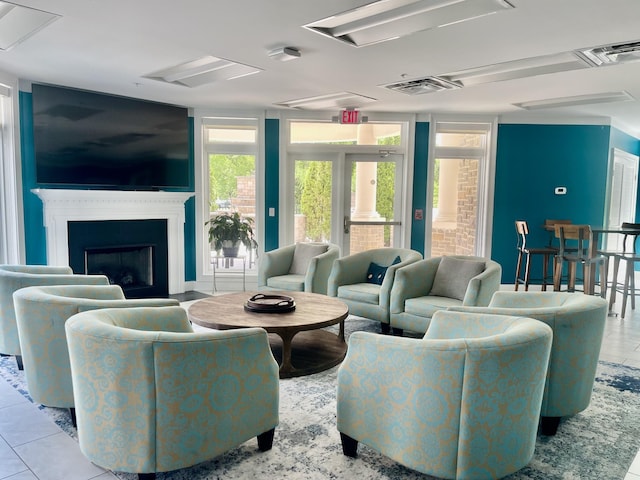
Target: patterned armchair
41,313
302,267
152,395
14,277
363,280
461,403
424,287
578,324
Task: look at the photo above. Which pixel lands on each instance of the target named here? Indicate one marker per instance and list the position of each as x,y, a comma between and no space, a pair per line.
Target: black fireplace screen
127,266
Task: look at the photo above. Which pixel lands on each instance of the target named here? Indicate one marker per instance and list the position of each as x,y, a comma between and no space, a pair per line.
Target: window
230,149
459,188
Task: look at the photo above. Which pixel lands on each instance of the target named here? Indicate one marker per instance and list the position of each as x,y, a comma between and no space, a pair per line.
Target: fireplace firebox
131,253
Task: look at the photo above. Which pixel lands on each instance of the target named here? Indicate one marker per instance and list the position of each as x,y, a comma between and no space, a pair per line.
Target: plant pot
230,249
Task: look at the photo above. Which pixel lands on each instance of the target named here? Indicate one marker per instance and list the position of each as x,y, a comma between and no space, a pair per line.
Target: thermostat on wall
561,190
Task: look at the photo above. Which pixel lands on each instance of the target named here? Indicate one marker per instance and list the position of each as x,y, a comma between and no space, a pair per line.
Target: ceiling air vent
611,54
422,85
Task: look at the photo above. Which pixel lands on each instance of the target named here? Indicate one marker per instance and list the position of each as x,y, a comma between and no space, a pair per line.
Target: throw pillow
453,276
303,254
376,272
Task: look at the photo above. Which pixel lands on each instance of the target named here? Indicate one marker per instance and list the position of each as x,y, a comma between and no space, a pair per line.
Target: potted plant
228,230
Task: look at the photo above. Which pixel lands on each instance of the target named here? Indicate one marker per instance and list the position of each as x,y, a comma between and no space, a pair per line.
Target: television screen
97,140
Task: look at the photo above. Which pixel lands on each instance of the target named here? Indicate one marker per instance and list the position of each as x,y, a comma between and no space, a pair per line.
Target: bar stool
575,249
523,250
630,256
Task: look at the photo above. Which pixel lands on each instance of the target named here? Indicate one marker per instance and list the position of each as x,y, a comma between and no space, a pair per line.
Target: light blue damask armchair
14,277
363,280
433,284
578,323
461,403
302,267
152,395
41,313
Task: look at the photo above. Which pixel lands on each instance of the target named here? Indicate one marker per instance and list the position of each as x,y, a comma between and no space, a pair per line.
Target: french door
353,200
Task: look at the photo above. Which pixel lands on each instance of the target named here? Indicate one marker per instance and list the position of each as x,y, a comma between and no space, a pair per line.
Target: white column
448,193
366,174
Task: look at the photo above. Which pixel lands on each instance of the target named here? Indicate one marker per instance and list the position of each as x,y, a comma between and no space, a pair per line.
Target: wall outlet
561,190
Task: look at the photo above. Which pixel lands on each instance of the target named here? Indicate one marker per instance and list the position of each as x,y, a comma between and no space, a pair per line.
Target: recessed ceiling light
203,70
390,19
17,23
607,97
332,100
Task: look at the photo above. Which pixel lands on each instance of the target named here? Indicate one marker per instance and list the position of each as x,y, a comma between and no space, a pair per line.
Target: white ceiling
110,46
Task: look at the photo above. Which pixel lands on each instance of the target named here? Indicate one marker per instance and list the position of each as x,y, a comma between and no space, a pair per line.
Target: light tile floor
32,447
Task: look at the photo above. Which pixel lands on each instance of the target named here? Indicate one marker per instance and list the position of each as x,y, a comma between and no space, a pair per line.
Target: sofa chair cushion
453,276
303,254
426,306
360,292
376,272
287,282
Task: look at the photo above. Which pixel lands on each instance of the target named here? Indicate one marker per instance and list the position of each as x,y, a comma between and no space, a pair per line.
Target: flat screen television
93,140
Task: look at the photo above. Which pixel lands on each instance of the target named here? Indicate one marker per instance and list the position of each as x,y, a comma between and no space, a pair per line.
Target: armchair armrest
482,287
319,270
275,263
411,281
346,271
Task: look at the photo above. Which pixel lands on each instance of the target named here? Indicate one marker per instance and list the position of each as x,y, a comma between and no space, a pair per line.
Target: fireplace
64,207
131,253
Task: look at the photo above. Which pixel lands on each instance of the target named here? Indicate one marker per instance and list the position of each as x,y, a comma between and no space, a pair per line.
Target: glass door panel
313,201
372,213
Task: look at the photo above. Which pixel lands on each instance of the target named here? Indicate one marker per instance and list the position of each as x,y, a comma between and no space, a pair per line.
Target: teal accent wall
271,182
34,231
190,214
420,162
531,161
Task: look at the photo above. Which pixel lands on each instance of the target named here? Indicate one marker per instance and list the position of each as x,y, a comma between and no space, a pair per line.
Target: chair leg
625,291
527,272
549,425
19,362
518,267
545,271
614,282
349,445
265,440
557,274
632,276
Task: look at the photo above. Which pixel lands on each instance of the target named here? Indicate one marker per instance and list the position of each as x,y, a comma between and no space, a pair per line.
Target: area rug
599,443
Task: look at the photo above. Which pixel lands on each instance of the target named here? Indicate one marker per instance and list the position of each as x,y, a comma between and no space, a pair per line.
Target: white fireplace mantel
63,206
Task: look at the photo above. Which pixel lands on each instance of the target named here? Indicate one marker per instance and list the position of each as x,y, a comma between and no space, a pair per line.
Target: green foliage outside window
223,171
313,198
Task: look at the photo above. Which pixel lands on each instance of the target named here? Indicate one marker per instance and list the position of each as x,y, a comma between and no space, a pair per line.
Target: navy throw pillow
376,272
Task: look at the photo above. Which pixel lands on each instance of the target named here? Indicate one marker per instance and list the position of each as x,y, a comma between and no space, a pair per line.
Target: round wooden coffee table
299,344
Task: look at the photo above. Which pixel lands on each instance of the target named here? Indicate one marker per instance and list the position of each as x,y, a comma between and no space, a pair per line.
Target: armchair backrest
41,313
353,268
578,323
15,277
470,383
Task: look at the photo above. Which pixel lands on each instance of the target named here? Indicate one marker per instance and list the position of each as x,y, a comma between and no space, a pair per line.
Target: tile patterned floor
32,447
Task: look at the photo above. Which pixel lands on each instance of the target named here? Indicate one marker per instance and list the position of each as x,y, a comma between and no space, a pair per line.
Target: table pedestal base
312,351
